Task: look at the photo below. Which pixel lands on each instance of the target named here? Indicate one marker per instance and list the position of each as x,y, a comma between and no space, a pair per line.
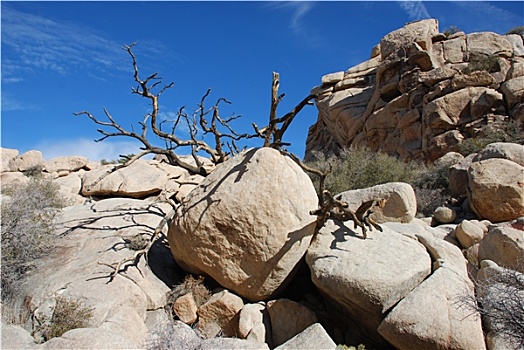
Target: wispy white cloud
481,13
414,9
106,149
298,10
33,43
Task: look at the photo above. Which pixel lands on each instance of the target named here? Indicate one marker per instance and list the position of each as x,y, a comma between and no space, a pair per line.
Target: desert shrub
190,285
488,63
165,337
517,30
358,168
34,171
500,302
68,314
511,131
345,347
451,30
27,225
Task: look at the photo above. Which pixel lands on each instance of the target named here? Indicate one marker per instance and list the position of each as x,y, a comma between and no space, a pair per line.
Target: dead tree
203,120
273,133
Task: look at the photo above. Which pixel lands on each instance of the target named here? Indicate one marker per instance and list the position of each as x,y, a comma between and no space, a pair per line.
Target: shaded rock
219,314
401,204
247,225
494,194
513,91
137,180
69,164
505,246
313,337
288,318
458,177
503,150
352,271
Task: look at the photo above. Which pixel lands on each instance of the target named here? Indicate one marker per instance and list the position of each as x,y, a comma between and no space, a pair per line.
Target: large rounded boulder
247,224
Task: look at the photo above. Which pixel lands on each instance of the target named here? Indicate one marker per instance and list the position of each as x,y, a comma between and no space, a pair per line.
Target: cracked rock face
420,94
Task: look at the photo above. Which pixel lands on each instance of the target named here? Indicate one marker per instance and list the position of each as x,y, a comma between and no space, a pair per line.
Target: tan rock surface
247,225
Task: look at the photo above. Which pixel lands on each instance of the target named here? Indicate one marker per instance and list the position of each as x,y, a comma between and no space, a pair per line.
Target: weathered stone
504,246
7,155
313,337
69,164
504,150
494,194
13,178
71,183
470,232
27,161
89,234
419,32
444,215
219,314
350,270
137,180
247,225
458,177
401,203
15,337
251,323
288,318
186,309
513,91
516,43
454,49
332,78
487,43
410,326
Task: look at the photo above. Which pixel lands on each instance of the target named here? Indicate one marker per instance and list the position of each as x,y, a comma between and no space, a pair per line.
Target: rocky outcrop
420,94
247,225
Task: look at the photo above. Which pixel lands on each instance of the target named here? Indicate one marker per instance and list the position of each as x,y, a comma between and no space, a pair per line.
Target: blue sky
63,57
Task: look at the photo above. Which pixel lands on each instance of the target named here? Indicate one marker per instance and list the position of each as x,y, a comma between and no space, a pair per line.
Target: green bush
68,314
488,63
451,30
517,30
356,169
511,131
363,168
27,226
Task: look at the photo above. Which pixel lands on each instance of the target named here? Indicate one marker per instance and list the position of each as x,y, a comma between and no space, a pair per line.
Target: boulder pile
421,93
241,264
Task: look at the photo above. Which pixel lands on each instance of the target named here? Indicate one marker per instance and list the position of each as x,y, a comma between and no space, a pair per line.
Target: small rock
186,309
445,215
